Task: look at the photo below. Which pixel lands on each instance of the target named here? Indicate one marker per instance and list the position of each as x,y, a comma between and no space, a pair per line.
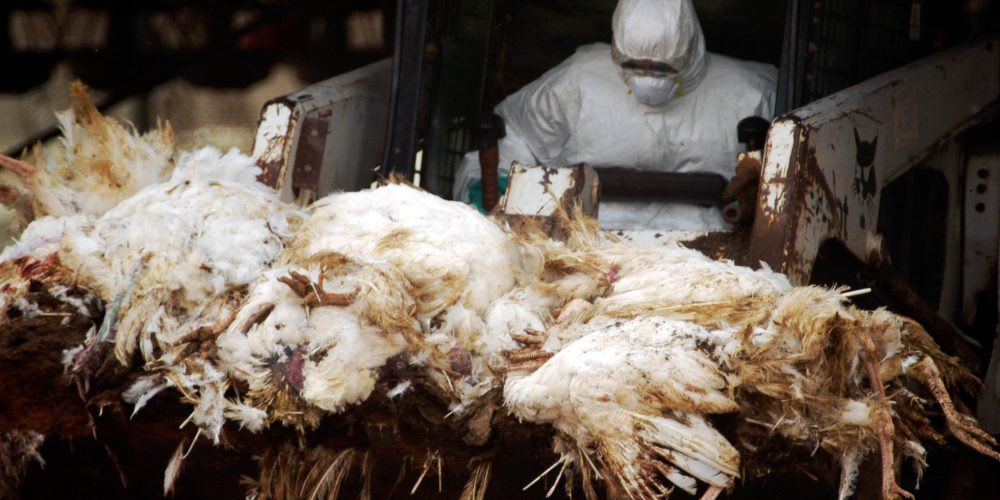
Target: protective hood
650,33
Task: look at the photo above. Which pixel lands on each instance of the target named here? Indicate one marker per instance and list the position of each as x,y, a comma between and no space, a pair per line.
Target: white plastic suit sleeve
512,148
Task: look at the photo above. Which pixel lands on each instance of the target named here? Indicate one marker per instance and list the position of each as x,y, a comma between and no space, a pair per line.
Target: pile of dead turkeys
260,313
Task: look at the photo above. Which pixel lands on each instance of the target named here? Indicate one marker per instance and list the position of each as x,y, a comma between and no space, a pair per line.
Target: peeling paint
272,142
540,191
777,162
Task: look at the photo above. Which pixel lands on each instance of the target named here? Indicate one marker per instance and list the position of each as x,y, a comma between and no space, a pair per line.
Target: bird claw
531,356
21,168
314,294
527,359
961,426
526,354
529,338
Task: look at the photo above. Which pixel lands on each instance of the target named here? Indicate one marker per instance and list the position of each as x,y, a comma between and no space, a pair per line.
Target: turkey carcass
630,399
800,362
172,264
392,272
97,163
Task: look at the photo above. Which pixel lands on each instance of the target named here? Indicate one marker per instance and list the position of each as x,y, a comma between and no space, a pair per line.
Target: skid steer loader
880,172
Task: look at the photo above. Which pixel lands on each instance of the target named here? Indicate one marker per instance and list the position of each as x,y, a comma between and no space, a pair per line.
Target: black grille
853,40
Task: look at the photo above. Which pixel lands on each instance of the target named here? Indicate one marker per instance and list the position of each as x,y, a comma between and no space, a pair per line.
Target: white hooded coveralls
581,111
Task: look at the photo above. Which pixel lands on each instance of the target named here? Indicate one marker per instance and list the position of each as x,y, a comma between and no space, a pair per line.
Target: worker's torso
695,132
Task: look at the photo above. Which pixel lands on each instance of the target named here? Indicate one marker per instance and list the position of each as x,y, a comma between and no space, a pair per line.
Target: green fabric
476,192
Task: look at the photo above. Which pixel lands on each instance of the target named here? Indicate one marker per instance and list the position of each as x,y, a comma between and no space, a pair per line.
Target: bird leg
884,428
315,295
711,493
203,338
526,358
961,426
21,168
529,338
532,355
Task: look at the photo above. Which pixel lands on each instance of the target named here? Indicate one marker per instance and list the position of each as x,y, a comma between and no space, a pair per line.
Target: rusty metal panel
309,153
988,409
825,164
982,229
354,143
273,141
328,136
537,193
949,159
540,191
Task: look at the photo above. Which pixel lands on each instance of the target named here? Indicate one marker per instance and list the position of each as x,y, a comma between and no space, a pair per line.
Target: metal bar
407,84
791,75
988,409
695,188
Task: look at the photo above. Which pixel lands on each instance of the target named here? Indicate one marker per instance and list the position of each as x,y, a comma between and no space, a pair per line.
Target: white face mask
653,91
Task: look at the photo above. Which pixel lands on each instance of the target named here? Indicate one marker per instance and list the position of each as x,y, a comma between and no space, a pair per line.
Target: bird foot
963,427
313,293
526,359
21,168
884,428
886,431
532,355
529,338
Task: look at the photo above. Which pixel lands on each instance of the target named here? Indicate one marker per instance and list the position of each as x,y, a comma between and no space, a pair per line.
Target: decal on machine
865,186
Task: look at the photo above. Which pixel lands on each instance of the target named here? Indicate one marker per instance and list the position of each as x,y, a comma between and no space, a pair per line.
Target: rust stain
309,154
813,177
572,197
272,166
807,217
809,205
733,245
546,173
773,230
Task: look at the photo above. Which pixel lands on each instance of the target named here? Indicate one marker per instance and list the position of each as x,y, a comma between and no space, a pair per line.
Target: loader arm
825,164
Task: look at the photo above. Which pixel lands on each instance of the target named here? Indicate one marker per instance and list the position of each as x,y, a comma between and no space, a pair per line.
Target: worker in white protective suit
654,100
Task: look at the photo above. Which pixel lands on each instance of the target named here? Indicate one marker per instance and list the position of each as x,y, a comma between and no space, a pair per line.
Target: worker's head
660,48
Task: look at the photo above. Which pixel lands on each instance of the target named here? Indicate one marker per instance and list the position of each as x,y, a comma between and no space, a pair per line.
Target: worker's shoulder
734,74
